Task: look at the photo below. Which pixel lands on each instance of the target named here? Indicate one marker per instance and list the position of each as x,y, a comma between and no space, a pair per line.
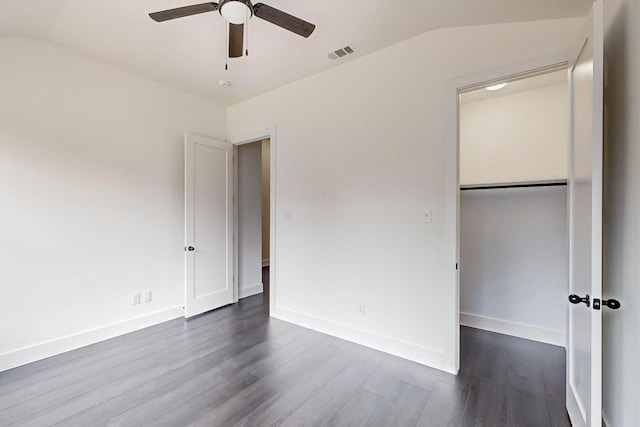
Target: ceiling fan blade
181,12
236,40
284,20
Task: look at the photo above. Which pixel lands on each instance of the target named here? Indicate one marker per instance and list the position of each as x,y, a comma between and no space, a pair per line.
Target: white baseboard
265,262
406,350
40,351
530,332
250,290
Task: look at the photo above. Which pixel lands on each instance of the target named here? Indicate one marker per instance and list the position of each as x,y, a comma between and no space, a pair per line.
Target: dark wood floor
238,367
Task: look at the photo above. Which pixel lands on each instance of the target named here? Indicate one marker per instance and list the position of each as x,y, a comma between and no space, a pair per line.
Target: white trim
272,215
515,329
249,137
406,350
236,223
250,291
451,250
43,350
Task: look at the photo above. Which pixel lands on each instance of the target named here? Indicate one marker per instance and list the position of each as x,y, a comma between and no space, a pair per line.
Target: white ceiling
522,85
189,53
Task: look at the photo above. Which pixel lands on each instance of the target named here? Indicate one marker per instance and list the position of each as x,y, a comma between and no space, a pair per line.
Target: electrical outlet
361,309
146,297
426,216
135,298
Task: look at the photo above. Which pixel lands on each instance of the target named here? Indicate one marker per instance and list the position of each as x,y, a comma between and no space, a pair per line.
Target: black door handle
613,304
575,299
191,249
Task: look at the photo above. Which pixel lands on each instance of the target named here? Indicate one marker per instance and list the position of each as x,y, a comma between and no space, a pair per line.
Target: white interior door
208,224
584,346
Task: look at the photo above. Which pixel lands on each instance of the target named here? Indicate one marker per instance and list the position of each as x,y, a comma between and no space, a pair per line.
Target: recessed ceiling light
496,87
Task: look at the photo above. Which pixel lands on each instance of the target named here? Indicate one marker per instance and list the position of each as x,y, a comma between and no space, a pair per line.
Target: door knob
575,299
613,304
191,249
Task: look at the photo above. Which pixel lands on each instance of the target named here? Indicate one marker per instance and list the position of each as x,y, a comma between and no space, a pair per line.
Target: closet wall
513,253
253,182
516,137
249,196
266,200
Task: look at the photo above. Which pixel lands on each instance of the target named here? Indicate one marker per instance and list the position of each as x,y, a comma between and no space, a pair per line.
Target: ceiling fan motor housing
236,11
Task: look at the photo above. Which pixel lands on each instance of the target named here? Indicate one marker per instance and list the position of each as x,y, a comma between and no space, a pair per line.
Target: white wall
91,173
514,261
360,156
520,137
266,202
249,190
621,329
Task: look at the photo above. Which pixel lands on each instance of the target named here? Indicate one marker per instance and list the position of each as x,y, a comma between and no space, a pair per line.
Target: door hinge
456,265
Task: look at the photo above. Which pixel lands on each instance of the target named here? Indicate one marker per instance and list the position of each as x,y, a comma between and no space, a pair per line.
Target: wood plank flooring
237,367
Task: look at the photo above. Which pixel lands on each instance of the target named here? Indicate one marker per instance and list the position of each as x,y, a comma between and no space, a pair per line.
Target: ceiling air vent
347,50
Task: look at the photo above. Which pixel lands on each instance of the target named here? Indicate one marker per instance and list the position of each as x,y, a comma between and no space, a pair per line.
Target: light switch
426,216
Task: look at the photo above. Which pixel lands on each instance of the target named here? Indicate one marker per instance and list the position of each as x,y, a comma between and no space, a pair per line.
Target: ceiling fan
237,13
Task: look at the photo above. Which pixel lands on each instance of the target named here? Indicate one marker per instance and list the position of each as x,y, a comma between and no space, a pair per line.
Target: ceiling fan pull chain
246,32
226,49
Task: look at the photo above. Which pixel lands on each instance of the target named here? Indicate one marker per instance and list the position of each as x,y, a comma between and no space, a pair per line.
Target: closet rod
520,185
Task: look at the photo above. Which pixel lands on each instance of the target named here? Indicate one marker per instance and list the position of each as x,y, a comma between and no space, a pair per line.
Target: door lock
190,249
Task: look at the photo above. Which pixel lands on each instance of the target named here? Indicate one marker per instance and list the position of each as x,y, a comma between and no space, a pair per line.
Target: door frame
509,72
247,138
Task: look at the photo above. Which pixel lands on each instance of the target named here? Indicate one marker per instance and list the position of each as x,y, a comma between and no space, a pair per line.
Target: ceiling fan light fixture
236,11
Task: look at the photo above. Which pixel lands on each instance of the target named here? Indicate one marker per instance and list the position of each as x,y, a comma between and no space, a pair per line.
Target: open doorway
513,243
253,171
513,207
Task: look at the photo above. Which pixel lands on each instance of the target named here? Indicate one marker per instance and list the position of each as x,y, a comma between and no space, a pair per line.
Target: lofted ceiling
189,53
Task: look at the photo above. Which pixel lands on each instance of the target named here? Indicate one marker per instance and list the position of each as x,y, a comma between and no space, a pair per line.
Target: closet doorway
513,168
